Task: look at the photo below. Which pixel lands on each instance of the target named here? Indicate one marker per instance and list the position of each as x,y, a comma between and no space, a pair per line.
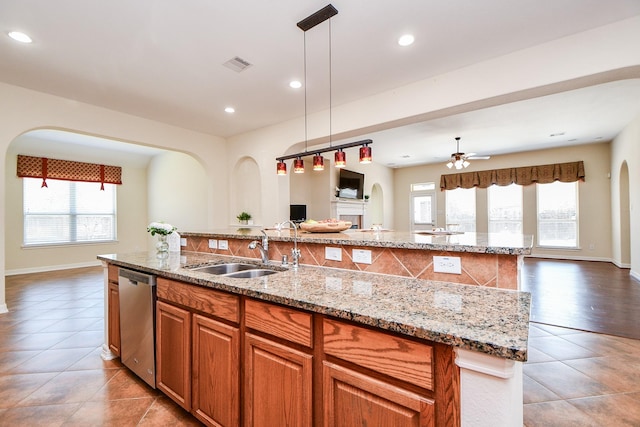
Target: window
505,209
68,212
423,206
461,208
558,214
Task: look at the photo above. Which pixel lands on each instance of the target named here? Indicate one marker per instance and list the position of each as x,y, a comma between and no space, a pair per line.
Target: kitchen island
316,343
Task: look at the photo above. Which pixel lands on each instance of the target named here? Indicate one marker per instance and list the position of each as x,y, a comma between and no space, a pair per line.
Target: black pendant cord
305,89
330,88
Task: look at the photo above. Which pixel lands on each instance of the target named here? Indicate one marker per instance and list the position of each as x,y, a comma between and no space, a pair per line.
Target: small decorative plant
366,197
244,216
160,228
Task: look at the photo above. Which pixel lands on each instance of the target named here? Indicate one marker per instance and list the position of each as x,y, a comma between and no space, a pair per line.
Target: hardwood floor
589,296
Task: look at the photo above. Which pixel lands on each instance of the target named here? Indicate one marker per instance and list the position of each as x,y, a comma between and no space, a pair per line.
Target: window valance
42,167
543,174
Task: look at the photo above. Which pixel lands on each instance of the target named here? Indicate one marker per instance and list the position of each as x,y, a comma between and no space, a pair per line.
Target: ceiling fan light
298,165
450,164
281,168
318,162
340,159
465,163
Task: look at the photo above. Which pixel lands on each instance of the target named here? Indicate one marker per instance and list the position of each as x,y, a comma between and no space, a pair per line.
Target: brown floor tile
556,414
615,410
38,341
70,325
565,381
556,330
11,359
603,344
614,372
82,339
14,388
536,356
40,416
561,349
52,360
534,392
116,413
69,387
164,413
94,360
124,385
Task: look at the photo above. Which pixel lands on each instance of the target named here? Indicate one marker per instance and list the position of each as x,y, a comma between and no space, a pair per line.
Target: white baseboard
620,265
51,268
635,275
4,308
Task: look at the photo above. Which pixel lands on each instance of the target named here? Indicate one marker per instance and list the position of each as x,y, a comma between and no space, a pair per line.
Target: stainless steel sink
248,274
236,270
225,268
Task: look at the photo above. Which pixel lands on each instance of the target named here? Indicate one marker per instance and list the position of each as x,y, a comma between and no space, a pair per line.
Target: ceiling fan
461,160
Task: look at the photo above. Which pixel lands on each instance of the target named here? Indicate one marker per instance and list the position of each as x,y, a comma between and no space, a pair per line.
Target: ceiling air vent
237,64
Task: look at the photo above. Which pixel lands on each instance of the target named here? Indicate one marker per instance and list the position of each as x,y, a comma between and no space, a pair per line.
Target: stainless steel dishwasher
137,323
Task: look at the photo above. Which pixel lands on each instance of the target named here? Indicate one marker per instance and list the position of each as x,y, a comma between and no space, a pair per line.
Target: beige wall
594,196
626,149
22,110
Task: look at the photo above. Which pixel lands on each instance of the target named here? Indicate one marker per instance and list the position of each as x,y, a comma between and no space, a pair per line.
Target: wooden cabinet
113,302
234,360
278,384
352,399
173,353
215,372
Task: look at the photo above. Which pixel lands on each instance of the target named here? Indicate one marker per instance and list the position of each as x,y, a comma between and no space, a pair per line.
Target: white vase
162,247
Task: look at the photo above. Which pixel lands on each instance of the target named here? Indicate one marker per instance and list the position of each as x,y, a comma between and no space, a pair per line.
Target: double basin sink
236,270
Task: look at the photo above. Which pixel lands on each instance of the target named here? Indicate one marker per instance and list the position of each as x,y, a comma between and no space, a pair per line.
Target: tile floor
51,373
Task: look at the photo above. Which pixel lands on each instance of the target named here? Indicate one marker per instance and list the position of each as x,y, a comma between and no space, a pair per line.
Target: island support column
490,390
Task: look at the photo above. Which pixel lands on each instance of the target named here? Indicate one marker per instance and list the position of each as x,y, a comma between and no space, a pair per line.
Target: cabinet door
173,353
114,318
351,399
278,384
216,377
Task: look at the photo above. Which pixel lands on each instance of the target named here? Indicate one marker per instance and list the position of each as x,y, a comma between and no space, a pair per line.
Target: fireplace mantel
350,210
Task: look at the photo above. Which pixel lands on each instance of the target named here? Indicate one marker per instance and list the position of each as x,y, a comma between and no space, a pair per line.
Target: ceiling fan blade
479,157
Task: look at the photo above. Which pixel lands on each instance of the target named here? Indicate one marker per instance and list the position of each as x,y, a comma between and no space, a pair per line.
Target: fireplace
352,210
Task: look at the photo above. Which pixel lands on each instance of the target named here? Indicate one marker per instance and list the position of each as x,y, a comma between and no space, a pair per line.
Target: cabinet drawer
112,273
282,322
388,354
210,301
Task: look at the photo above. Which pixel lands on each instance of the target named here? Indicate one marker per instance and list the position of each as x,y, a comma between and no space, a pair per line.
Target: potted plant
366,197
244,218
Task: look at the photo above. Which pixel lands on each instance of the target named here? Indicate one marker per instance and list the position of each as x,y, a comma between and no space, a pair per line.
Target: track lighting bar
325,150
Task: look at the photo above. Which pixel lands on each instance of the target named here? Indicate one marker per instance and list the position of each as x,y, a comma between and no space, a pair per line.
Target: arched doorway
376,205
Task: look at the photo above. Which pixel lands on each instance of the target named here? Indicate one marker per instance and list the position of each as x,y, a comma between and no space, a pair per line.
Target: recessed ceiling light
295,84
20,37
406,40
230,110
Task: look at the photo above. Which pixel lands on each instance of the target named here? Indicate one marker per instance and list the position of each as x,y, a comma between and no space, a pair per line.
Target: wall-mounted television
350,184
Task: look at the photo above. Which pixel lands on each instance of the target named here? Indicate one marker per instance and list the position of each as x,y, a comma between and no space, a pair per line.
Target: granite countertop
488,320
491,243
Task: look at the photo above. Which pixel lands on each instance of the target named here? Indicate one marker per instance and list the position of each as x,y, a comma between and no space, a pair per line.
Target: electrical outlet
223,245
333,254
361,256
447,264
333,283
183,241
213,244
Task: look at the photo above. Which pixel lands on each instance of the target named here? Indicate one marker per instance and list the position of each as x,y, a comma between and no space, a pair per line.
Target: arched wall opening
625,216
245,195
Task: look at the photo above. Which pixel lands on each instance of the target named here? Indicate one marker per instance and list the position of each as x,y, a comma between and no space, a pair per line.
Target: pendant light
281,168
298,165
340,157
365,154
318,162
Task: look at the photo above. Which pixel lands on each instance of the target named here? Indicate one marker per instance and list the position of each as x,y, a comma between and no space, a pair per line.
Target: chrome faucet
295,252
263,246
